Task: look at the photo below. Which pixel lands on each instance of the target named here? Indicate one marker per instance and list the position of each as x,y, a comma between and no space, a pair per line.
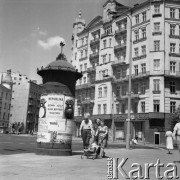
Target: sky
30,30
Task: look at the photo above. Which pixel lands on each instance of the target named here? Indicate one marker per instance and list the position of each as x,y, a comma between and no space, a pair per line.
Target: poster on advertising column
53,125
51,117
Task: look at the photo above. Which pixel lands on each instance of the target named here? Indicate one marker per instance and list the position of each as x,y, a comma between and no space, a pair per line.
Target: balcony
174,74
30,112
174,54
105,35
140,40
91,70
140,75
94,56
30,97
124,97
94,41
83,58
119,47
87,101
30,104
104,79
118,63
121,79
83,45
120,31
174,36
139,57
86,86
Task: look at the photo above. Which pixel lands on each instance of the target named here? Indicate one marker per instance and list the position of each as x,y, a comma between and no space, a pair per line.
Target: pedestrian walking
169,141
102,137
86,131
176,135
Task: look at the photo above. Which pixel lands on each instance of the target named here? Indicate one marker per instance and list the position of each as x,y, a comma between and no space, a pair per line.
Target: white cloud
50,42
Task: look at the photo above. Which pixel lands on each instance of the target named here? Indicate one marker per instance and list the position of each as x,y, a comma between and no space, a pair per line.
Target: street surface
18,160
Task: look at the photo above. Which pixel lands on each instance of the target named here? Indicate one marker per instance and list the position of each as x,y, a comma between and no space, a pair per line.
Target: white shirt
86,126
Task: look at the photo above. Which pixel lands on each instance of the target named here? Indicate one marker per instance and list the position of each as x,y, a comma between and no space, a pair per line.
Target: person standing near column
86,131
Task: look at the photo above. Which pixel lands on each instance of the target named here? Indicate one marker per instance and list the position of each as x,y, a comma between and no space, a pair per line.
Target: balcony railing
94,56
94,41
91,69
121,79
105,35
119,46
104,79
85,101
120,31
83,58
140,75
123,97
118,63
172,73
86,86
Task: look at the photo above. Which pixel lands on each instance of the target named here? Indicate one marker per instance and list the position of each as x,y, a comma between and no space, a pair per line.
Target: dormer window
108,30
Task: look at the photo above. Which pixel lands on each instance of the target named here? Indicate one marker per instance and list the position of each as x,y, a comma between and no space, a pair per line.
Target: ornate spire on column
61,56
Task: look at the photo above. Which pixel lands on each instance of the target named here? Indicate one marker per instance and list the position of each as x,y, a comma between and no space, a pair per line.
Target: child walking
169,141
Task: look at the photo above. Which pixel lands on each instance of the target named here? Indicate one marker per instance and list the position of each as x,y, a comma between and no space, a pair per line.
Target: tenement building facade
101,50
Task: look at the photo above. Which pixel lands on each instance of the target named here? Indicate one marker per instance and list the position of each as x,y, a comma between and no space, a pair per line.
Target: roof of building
7,78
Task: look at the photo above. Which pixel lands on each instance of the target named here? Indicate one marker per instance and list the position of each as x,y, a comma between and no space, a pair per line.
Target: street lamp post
129,85
129,89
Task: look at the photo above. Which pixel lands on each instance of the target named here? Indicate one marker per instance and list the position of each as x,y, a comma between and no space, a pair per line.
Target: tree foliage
174,118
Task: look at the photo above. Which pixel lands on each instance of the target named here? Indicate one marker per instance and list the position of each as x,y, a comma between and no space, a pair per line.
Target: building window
4,116
118,73
123,108
100,92
172,87
99,109
136,35
136,52
156,105
143,48
81,53
104,43
85,67
118,92
144,16
156,64
123,73
136,88
105,91
172,13
80,81
156,45
109,57
172,29
75,56
179,13
136,70
108,30
143,68
104,59
105,108
81,68
172,107
137,19
157,27
79,111
172,67
84,80
123,90
135,109
143,106
172,47
117,108
86,52
143,88
156,9
110,40
144,33
156,83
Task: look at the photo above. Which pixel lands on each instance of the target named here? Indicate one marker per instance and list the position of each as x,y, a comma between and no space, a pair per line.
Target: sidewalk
29,166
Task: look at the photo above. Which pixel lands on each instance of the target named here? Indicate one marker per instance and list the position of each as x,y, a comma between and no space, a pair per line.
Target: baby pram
92,152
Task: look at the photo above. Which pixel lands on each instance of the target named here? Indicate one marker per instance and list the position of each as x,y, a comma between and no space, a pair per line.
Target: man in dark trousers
86,129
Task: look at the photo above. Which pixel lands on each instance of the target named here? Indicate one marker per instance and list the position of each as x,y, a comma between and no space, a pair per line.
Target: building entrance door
138,130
